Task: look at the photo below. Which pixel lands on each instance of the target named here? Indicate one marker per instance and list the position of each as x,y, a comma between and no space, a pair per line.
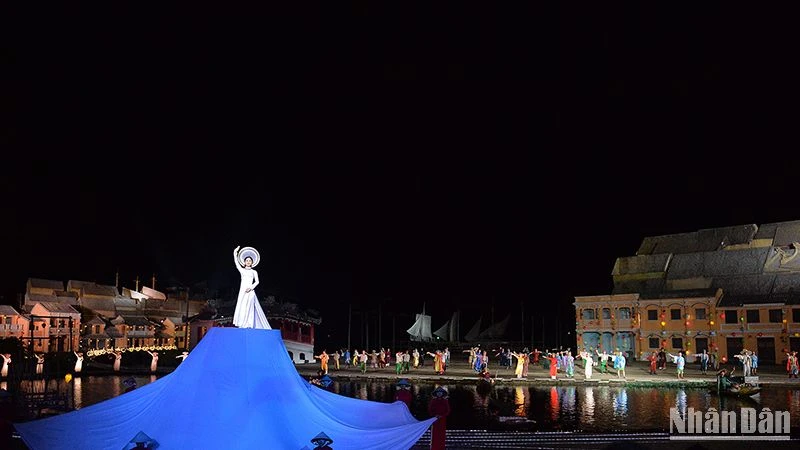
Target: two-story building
723,289
13,324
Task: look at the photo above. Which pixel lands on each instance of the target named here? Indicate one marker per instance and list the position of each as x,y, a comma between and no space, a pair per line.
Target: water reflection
587,407
568,402
621,402
554,405
521,402
77,390
680,402
590,408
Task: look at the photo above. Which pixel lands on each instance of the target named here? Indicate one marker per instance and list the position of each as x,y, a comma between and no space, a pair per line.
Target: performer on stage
6,362
153,361
248,312
117,360
78,362
39,363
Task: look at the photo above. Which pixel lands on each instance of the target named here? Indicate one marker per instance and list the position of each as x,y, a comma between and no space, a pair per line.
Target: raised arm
236,259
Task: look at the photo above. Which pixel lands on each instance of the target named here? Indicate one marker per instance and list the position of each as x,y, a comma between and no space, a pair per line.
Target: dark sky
459,156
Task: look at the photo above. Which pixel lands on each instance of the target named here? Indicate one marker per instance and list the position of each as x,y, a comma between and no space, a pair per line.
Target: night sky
463,157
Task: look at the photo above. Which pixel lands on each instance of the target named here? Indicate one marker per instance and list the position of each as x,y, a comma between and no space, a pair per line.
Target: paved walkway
637,374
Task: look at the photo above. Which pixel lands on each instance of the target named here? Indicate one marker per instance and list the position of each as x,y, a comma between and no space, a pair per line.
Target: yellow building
722,289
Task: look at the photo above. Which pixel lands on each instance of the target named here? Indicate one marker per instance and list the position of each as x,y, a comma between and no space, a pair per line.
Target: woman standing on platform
153,361
117,360
553,365
248,312
39,363
79,362
520,363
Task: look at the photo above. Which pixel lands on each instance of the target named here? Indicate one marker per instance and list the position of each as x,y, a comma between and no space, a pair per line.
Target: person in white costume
78,362
248,312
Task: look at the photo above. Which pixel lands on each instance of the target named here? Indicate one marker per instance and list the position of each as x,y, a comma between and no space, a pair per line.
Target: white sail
497,330
473,332
421,330
449,330
444,331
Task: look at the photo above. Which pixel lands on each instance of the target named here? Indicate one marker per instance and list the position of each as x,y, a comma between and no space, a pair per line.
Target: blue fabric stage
238,389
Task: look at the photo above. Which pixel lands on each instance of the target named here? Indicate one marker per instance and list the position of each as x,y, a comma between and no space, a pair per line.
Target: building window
731,316
653,342
652,314
677,343
302,356
675,314
796,315
606,313
775,315
624,313
8,320
700,313
588,314
752,316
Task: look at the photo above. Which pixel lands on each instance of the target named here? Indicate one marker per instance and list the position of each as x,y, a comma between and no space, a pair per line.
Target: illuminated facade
722,289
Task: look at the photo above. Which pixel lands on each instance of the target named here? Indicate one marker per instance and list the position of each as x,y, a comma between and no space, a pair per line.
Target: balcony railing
11,327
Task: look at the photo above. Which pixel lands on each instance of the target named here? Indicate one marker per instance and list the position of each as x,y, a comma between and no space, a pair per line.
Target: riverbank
637,374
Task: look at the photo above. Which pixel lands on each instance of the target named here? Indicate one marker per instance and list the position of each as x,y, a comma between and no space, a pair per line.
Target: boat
741,388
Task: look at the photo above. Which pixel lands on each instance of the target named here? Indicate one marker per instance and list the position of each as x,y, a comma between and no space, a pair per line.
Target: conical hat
321,439
251,252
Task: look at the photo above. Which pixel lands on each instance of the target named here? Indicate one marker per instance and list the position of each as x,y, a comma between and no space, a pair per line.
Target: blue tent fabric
239,390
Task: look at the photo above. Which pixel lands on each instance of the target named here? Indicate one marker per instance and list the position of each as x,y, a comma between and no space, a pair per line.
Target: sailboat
421,330
449,331
497,330
474,332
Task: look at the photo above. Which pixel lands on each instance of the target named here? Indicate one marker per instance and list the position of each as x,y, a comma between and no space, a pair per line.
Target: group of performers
404,360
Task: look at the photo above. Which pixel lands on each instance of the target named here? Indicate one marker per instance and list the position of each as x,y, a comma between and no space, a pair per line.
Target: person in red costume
439,406
403,392
553,365
653,358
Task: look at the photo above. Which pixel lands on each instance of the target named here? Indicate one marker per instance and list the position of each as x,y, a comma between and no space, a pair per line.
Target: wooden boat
741,390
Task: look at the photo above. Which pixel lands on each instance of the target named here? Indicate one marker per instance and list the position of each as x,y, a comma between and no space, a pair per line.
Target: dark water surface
596,408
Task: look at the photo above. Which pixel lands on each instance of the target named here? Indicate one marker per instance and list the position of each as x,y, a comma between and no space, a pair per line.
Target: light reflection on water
590,408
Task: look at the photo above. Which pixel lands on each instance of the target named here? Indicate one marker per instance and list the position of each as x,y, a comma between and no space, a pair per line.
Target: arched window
606,313
588,314
302,356
624,313
291,356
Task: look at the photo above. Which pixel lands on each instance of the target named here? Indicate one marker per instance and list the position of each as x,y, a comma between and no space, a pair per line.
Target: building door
766,350
735,346
700,345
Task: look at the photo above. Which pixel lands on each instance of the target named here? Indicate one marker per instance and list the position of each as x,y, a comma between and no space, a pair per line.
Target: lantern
663,323
711,323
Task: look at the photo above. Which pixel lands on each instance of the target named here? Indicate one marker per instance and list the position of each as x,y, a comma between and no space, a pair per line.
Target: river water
586,408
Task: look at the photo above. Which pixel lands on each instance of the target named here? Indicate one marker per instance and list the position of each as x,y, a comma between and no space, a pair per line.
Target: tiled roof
641,264
137,321
722,263
36,298
8,310
782,233
46,284
707,240
54,307
99,290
